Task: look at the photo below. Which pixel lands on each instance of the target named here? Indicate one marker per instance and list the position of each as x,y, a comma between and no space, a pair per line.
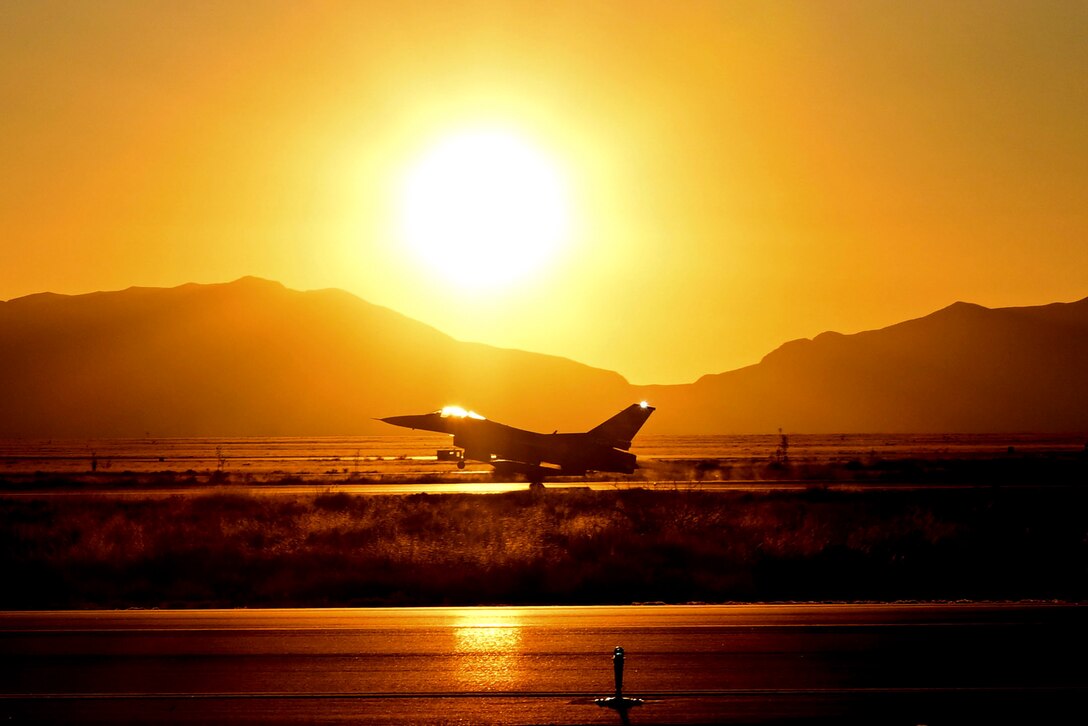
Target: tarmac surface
497,487
909,663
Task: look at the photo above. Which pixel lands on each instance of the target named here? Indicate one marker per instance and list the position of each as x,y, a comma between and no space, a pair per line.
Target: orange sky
739,174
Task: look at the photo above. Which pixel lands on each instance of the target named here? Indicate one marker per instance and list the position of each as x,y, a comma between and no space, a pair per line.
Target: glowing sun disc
484,208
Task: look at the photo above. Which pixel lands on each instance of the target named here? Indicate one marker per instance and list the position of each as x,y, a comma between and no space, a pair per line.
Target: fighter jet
517,451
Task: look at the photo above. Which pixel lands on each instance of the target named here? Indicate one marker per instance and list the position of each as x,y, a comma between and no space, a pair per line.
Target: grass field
543,547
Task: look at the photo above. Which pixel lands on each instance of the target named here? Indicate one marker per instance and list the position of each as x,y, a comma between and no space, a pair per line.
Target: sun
484,208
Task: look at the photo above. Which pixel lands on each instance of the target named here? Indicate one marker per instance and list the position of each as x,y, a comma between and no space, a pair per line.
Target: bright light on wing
458,412
643,404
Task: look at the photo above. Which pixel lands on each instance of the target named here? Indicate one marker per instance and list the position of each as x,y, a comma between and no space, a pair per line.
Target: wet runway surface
910,664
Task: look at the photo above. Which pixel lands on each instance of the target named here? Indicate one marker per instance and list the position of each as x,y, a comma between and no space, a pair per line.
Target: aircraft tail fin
619,430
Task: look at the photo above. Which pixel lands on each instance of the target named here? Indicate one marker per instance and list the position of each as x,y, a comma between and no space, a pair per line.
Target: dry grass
559,546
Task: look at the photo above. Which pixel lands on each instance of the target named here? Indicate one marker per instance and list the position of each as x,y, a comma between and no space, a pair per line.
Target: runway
907,663
500,487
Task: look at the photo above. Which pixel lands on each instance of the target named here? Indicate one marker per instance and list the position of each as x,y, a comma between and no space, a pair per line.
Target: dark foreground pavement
888,664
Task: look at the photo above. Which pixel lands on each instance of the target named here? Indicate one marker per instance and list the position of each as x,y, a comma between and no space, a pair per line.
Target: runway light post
617,669
618,702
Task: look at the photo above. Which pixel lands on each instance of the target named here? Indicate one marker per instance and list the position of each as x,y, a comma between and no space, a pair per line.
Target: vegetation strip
551,547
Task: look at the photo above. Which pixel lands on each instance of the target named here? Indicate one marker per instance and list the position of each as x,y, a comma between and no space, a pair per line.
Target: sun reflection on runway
488,648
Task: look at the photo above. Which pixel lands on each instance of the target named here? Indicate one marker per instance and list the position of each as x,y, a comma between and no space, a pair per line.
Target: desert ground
191,523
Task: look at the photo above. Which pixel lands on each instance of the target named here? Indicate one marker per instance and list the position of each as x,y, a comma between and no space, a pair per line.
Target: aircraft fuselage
600,449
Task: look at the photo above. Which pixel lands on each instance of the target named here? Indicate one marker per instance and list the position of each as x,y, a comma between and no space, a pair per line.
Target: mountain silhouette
962,369
253,358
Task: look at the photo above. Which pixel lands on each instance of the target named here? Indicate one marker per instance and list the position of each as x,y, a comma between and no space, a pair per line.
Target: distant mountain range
963,369
253,358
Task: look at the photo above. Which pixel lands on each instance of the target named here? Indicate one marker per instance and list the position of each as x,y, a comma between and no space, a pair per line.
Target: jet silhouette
517,451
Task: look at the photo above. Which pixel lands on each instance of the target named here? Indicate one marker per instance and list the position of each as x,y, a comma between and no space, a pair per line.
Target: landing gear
460,463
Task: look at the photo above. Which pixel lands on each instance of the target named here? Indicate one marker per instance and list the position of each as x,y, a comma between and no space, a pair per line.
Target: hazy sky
737,174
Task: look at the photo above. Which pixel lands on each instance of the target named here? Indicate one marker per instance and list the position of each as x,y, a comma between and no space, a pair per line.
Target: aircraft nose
406,421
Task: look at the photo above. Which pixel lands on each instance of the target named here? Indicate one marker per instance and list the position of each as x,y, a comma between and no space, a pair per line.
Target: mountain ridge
964,368
253,357
249,358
